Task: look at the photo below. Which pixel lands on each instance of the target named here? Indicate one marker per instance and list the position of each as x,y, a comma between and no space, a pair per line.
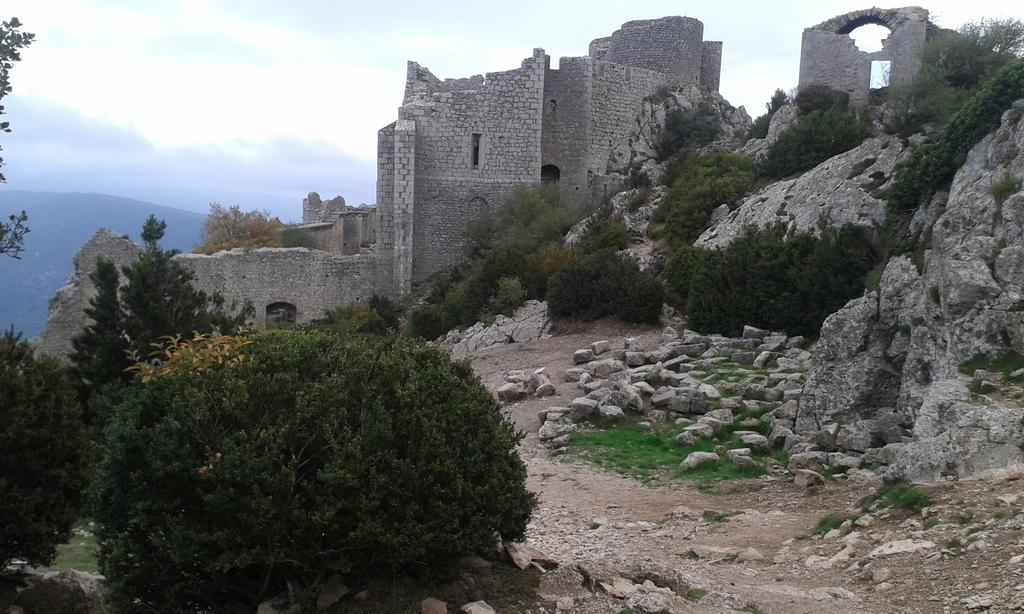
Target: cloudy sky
183,102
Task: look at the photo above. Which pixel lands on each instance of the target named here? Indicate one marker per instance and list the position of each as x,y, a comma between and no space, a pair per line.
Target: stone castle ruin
460,147
828,56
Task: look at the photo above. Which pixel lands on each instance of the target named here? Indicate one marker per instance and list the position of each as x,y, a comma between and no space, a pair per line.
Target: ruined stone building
828,56
460,147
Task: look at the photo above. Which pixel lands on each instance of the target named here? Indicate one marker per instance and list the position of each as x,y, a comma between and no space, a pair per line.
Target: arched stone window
549,173
476,203
280,315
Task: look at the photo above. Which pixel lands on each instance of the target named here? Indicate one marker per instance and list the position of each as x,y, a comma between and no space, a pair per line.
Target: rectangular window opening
476,149
881,71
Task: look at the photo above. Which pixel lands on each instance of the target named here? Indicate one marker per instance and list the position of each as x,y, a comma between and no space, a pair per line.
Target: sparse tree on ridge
13,231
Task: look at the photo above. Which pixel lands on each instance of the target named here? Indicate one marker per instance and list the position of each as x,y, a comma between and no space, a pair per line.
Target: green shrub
820,98
225,479
509,296
1004,188
685,128
296,237
42,454
701,182
533,216
759,129
428,322
682,267
604,284
605,232
902,496
772,281
378,316
814,139
932,165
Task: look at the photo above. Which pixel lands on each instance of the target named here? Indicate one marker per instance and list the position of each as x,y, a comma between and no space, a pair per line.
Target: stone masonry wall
670,45
450,191
828,56
311,280
568,108
711,65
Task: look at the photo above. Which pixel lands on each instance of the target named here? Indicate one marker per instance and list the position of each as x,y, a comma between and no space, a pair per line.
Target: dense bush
682,266
230,228
820,98
684,128
604,284
932,165
814,139
508,297
520,240
533,216
953,66
378,316
769,280
42,454
241,465
295,237
701,182
428,322
604,232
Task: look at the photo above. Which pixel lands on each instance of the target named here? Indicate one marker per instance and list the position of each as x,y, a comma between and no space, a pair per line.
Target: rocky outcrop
845,189
529,323
634,207
783,118
641,149
887,367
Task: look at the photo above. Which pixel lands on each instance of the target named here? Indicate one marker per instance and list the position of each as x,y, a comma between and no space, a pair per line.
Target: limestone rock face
891,359
842,190
66,317
641,150
782,119
529,323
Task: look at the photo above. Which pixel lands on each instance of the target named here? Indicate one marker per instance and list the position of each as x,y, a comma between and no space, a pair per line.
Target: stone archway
549,173
280,315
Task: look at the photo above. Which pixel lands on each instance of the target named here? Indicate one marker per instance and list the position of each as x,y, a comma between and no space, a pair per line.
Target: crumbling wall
711,65
828,56
316,210
311,280
450,187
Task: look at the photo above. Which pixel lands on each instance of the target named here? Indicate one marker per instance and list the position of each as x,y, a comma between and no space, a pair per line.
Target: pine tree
99,350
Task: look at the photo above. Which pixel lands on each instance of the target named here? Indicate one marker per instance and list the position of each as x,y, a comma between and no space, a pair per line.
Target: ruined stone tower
460,147
828,56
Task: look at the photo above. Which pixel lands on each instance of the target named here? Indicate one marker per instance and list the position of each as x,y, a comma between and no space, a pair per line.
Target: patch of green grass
80,553
829,522
751,608
954,544
1004,188
649,454
902,496
695,594
1005,364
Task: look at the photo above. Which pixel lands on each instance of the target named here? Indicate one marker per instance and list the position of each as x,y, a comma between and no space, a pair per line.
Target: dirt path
610,524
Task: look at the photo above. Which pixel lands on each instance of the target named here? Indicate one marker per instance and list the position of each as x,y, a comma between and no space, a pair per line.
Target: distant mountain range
60,222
